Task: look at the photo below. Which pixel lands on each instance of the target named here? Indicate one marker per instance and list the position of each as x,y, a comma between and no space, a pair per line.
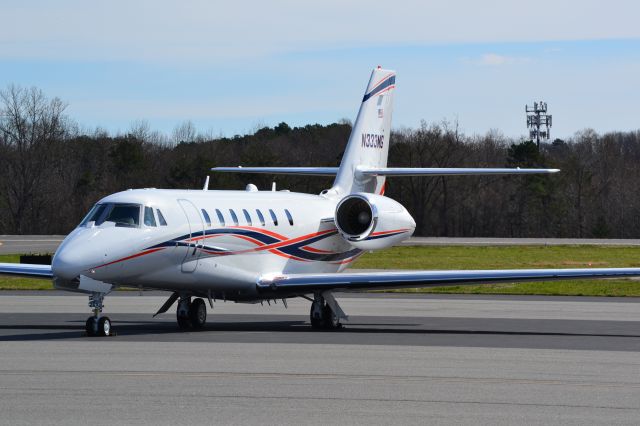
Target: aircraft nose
66,264
75,255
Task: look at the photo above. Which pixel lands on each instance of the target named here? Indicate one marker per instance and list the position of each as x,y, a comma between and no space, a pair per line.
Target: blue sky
233,67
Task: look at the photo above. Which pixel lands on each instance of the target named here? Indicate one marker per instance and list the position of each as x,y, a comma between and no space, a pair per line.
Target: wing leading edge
308,283
26,270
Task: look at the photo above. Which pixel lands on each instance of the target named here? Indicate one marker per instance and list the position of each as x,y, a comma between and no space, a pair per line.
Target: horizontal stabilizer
385,171
302,171
438,171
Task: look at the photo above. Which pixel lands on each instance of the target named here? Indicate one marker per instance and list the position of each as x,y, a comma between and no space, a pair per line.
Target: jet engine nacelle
371,222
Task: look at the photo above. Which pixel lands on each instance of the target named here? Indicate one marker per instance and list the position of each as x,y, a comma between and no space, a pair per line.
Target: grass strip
514,257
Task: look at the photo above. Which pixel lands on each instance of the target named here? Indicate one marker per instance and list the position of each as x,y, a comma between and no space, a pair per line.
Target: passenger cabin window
161,218
149,218
260,216
273,217
234,218
206,217
247,216
220,217
289,216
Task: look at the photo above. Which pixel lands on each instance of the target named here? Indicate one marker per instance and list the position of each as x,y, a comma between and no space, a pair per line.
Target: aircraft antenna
538,121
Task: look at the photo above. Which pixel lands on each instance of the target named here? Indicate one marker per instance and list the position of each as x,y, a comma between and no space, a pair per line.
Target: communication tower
538,121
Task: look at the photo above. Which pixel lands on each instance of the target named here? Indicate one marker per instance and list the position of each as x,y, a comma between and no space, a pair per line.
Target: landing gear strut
322,316
97,325
191,314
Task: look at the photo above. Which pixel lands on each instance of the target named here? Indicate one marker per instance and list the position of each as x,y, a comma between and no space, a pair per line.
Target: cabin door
196,236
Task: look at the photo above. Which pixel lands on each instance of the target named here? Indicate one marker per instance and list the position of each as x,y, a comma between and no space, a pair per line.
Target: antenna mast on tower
538,118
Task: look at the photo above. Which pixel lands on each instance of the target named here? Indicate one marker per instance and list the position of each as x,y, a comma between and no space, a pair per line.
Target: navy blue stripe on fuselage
376,237
385,84
292,249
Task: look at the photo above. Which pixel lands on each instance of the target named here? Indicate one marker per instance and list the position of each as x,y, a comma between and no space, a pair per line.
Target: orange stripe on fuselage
315,250
131,257
262,231
283,243
389,232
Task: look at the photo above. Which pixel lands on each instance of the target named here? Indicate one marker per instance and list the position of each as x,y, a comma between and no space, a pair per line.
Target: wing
308,283
26,270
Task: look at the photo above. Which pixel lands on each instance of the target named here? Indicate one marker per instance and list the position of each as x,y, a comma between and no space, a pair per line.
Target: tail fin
368,144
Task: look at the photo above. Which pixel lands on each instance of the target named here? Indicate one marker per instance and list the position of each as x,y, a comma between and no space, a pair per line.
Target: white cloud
493,59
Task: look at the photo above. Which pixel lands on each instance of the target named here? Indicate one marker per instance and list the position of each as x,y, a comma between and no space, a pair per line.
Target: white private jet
253,246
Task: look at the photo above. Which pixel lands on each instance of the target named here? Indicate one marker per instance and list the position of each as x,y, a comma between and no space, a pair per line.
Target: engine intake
355,217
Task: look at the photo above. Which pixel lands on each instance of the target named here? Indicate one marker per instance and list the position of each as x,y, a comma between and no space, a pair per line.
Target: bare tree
30,124
184,132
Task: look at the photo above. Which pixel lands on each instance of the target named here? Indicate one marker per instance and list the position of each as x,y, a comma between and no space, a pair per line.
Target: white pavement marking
354,306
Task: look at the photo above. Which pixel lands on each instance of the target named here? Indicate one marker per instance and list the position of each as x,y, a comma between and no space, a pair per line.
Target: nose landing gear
97,325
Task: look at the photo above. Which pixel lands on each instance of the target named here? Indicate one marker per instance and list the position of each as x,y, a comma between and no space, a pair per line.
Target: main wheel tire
331,321
316,316
104,326
182,314
184,323
90,326
198,313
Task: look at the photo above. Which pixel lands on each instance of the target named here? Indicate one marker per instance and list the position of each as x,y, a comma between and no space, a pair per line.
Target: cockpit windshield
126,215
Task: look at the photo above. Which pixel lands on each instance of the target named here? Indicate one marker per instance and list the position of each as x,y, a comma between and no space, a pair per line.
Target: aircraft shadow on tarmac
75,330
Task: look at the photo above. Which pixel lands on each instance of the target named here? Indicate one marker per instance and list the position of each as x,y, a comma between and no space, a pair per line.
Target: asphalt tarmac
400,360
27,244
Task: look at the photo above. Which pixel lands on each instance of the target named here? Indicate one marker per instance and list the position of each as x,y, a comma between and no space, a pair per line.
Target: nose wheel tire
104,326
98,326
90,327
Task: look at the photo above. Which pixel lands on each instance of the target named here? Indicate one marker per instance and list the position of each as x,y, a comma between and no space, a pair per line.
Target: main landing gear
325,312
191,314
97,325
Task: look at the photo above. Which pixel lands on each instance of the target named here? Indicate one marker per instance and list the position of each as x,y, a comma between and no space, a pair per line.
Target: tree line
52,172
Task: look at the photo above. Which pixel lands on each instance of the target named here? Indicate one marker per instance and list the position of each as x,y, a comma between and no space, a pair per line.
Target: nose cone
65,264
75,256
412,223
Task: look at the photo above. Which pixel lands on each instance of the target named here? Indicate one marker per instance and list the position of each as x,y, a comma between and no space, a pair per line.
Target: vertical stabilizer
368,144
